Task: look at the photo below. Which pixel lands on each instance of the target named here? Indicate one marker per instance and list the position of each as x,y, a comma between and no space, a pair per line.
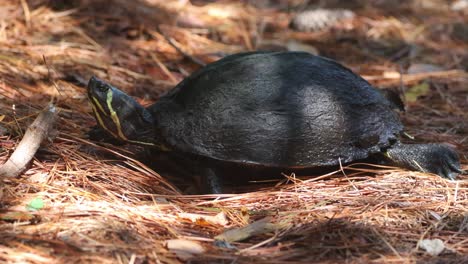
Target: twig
27,14
387,243
35,134
176,46
49,75
346,176
398,79
164,68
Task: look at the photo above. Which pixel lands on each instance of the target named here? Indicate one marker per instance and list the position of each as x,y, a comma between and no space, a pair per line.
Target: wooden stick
27,148
177,47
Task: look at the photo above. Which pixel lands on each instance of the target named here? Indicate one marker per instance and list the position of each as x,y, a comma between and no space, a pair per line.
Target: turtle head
119,114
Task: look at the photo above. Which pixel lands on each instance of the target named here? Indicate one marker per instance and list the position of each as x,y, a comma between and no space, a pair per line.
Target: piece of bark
27,148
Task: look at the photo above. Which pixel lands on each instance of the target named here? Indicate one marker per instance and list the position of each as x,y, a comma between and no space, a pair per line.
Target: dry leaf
184,249
219,219
432,246
258,227
459,5
416,91
391,75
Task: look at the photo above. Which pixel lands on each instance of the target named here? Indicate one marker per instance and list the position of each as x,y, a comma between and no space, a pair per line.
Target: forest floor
82,201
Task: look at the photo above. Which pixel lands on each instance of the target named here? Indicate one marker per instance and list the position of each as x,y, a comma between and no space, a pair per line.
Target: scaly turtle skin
287,110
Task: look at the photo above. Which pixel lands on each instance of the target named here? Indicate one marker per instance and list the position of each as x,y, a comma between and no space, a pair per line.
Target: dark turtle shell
276,109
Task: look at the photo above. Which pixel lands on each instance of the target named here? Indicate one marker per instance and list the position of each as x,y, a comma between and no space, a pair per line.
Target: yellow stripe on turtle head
114,116
96,102
101,122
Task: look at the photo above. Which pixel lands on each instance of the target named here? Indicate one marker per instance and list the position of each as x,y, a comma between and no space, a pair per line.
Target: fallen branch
27,148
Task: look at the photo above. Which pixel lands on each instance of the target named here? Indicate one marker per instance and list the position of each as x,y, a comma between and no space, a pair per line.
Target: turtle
284,110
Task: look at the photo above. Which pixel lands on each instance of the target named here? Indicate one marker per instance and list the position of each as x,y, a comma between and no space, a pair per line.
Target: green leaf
416,91
35,204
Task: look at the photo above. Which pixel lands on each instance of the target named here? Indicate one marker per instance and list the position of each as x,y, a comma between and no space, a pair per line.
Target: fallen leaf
391,75
432,246
416,91
258,227
35,204
459,5
219,219
184,249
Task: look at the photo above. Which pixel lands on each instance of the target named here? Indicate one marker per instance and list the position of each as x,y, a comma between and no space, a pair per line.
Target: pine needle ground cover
88,202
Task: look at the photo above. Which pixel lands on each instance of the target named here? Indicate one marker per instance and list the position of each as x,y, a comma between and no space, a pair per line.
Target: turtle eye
103,87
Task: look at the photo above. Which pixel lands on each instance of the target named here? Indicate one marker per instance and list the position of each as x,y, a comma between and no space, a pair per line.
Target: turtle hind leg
439,159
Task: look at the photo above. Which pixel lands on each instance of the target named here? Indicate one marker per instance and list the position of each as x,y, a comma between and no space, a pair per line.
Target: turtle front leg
97,133
204,178
439,159
210,182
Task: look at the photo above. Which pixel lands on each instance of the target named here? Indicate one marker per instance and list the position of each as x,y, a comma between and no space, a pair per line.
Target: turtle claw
439,159
448,171
453,170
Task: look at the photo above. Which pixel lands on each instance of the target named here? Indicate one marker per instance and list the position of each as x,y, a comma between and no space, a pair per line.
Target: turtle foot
439,159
